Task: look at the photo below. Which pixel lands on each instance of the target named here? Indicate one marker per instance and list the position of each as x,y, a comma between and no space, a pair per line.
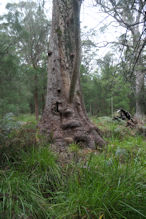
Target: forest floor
103,183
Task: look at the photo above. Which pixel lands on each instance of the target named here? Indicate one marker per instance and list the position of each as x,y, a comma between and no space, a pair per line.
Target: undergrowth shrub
7,124
112,129
16,137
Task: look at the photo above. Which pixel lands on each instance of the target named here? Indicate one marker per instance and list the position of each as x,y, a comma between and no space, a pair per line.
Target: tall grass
20,197
103,187
26,183
109,184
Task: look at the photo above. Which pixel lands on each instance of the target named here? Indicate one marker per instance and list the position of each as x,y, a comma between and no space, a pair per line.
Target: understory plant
34,183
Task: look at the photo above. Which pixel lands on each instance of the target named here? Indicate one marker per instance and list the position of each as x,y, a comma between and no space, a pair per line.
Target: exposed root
69,124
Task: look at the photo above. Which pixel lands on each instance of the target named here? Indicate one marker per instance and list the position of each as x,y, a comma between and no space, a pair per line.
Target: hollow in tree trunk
64,117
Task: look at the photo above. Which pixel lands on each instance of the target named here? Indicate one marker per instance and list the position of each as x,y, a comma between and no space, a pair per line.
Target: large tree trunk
64,117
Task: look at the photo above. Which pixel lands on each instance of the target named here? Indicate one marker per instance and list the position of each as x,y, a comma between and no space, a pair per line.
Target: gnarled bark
64,118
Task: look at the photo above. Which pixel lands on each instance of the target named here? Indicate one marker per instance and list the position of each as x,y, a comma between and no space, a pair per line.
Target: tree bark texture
36,100
139,77
36,104
64,118
139,94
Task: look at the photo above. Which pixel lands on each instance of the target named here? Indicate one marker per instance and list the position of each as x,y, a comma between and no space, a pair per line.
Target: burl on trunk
64,117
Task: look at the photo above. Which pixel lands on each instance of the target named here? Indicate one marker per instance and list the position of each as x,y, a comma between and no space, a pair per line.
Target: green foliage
74,147
24,33
110,184
12,87
34,183
7,125
18,134
105,86
105,187
26,118
29,172
20,197
107,184
131,44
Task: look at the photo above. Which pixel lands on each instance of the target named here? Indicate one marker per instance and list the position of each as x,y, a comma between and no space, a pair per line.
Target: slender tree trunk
43,102
31,107
139,92
64,117
139,77
36,101
36,104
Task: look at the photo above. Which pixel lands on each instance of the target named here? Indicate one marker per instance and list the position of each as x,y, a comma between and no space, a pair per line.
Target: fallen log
125,115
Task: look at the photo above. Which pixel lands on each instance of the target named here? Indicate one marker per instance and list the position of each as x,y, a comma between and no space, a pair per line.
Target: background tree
12,85
65,118
104,86
131,15
27,24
